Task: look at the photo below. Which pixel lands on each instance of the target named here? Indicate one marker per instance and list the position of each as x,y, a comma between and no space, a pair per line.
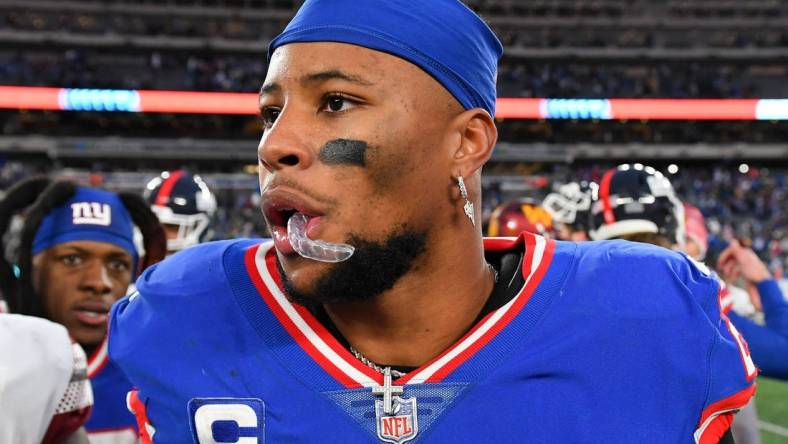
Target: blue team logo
227,420
402,426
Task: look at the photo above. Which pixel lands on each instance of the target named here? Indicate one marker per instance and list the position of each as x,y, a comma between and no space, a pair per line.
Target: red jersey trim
316,341
538,255
98,359
716,418
137,407
324,349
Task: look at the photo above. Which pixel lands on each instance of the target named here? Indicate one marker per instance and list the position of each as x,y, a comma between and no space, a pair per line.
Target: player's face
357,139
563,232
691,247
171,231
78,282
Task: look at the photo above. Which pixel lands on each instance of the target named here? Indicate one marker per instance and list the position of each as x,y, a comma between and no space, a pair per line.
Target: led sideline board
191,102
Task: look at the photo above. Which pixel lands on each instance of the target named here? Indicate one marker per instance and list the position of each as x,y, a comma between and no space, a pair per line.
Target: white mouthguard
314,249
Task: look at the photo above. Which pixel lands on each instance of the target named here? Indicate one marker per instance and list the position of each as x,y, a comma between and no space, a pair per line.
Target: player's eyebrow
317,77
334,74
268,89
65,249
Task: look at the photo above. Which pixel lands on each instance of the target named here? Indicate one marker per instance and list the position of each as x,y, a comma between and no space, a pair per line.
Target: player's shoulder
641,275
626,255
46,343
183,292
184,288
197,269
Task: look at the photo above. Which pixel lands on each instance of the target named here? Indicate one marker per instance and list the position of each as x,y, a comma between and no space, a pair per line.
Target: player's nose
96,279
285,144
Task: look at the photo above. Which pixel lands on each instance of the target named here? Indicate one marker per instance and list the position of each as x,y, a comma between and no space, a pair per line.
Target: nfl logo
400,427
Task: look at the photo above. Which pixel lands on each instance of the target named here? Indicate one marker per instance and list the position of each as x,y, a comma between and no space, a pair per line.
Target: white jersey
43,375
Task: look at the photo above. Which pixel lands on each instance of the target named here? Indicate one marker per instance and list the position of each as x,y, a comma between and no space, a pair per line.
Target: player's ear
477,138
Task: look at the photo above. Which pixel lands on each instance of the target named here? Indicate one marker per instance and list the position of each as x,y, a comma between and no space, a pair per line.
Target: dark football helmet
182,201
513,217
633,199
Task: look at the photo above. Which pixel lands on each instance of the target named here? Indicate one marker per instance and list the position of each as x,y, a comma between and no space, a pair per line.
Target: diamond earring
468,207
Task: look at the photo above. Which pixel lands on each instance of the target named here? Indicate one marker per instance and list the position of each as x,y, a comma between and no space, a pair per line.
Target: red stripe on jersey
716,429
502,243
166,188
719,416
604,196
137,407
521,299
296,333
725,298
98,359
340,352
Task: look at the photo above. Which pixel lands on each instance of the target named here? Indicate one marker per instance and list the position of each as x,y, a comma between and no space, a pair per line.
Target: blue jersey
110,422
769,343
604,342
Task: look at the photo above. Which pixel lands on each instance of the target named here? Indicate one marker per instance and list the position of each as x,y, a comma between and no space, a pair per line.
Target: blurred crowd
84,68
210,48
599,80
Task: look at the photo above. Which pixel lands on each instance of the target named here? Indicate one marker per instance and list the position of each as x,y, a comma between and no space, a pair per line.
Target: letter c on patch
224,420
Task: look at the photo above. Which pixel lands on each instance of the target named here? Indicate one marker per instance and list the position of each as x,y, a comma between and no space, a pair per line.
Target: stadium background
89,107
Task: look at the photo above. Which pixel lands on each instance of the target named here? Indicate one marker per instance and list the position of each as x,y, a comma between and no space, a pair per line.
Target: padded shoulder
642,278
197,269
177,294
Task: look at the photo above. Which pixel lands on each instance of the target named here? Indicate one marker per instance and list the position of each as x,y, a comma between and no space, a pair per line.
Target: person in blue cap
76,257
378,313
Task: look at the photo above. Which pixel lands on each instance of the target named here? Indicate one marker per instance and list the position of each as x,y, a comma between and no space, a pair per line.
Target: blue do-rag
442,37
92,215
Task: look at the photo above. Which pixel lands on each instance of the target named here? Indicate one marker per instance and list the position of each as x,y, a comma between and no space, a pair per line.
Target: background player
637,203
76,257
512,218
45,395
185,206
570,207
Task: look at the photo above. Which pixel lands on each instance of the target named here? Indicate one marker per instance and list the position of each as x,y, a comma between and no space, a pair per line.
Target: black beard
373,269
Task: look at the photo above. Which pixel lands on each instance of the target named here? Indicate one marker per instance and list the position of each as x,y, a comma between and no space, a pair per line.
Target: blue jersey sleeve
657,286
730,372
769,343
149,326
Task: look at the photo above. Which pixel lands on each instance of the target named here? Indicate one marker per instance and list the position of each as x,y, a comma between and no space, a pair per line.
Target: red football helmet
513,217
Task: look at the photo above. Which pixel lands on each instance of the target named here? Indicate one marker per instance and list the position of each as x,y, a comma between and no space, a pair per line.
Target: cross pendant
387,390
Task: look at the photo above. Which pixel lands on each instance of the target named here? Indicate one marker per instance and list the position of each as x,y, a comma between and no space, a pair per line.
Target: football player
185,205
570,208
76,257
512,218
45,395
637,203
655,212
379,313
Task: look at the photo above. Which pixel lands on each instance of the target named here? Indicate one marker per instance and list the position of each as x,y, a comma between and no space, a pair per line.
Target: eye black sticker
344,152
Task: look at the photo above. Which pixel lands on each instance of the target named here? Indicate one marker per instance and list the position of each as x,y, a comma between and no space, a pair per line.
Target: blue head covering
442,37
91,214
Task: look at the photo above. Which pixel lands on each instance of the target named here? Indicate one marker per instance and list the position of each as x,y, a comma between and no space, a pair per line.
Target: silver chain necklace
397,373
373,366
494,272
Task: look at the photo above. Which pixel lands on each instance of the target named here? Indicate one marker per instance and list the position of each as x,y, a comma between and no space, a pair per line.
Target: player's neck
427,310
